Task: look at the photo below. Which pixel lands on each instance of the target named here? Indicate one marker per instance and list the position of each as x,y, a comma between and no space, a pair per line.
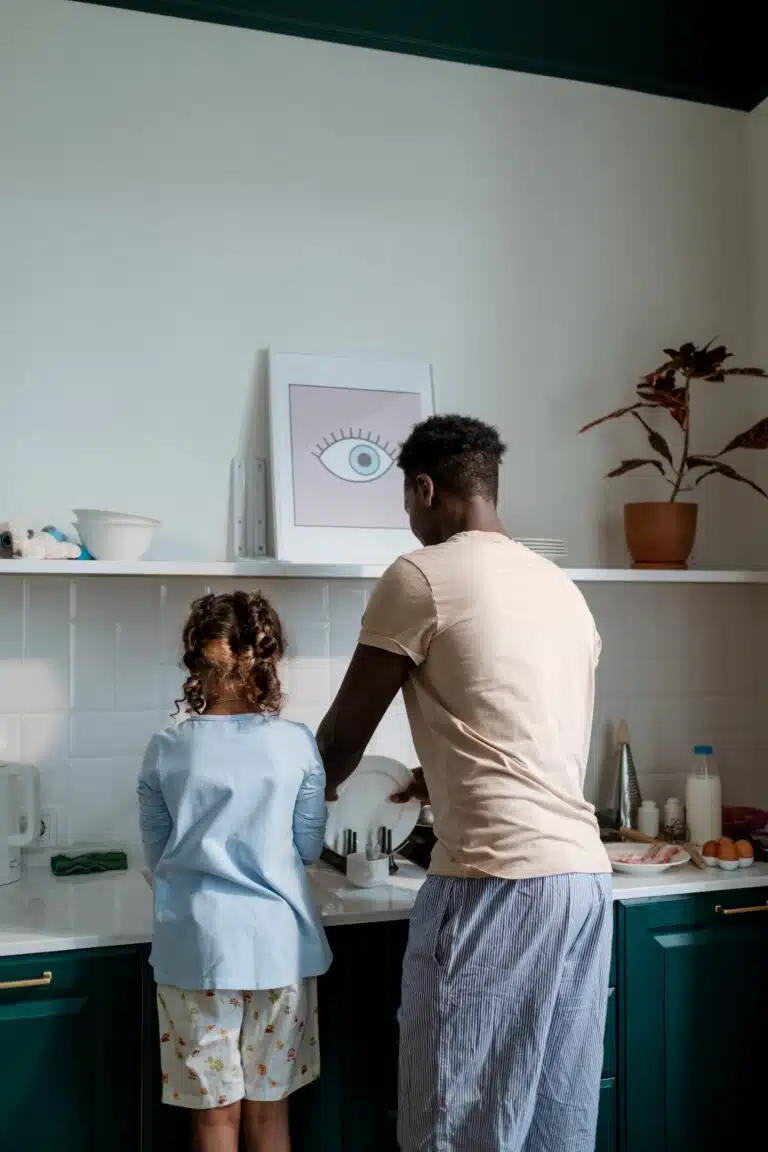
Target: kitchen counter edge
43,914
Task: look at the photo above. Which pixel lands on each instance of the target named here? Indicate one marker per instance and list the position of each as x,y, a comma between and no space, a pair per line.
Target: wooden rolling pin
642,838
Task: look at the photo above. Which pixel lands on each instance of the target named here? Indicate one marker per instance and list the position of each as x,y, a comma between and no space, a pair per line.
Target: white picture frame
336,425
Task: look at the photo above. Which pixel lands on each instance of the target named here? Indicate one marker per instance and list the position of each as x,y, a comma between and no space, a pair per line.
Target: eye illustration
357,458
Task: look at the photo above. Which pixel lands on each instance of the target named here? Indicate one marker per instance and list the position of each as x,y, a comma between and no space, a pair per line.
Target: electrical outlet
49,829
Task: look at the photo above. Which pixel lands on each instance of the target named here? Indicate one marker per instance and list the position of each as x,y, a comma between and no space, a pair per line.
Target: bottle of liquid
703,798
648,818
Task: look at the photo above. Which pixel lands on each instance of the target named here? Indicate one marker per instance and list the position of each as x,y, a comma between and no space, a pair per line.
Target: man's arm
373,679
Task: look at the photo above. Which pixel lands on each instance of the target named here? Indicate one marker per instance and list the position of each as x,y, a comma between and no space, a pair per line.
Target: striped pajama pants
505,987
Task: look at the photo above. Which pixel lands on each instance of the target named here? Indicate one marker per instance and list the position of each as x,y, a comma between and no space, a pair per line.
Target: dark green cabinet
606,1123
694,994
70,1052
684,1058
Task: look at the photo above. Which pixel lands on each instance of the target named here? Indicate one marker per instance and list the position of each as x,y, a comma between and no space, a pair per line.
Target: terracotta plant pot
660,535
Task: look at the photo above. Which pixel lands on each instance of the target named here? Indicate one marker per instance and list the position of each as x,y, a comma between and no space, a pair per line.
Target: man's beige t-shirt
500,703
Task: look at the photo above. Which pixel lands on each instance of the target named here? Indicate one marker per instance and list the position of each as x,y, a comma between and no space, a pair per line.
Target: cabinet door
606,1123
70,1059
353,1106
695,997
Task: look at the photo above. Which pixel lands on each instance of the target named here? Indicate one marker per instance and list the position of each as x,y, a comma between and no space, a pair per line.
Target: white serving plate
364,804
638,850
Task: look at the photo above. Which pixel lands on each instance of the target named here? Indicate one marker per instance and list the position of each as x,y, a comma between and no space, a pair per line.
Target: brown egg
744,849
710,848
725,840
727,851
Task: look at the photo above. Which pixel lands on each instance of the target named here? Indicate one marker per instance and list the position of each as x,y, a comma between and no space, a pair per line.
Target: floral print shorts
220,1047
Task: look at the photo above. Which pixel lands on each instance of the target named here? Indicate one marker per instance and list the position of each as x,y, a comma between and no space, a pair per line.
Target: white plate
558,544
637,850
364,804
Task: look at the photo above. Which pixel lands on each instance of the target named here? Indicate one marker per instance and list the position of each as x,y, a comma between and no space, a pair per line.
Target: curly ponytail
232,645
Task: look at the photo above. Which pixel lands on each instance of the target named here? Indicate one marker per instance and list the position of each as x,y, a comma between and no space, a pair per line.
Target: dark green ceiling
700,50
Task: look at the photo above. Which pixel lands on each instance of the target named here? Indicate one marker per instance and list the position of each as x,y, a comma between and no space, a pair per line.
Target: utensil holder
365,873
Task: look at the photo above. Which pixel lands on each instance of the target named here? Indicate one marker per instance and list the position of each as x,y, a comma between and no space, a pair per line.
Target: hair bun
266,645
219,654
245,659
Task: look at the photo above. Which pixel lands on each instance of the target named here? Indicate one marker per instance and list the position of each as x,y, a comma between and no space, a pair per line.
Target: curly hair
459,453
232,645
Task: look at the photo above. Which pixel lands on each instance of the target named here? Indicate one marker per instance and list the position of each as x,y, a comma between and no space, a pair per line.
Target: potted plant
660,534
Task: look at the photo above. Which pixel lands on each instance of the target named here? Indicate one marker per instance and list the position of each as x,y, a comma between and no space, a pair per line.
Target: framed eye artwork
336,426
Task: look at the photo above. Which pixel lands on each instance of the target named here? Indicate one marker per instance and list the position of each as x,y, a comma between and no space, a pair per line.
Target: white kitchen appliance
19,816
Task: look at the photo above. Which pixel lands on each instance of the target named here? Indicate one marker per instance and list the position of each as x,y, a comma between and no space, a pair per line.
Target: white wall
757,139
176,197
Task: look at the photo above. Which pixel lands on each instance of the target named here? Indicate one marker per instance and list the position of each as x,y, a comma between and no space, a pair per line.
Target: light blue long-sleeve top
231,809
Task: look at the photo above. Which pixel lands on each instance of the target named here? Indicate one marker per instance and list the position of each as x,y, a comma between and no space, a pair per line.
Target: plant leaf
656,440
760,372
699,462
631,465
614,415
673,400
755,437
719,469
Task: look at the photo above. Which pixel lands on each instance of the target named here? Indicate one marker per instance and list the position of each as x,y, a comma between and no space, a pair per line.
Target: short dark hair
459,454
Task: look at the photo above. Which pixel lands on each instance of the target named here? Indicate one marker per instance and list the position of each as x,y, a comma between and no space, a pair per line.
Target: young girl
231,809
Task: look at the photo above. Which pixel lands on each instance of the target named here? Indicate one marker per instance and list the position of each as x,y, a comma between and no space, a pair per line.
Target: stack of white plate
554,550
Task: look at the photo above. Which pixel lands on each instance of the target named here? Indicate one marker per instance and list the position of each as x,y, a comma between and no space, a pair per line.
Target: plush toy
46,545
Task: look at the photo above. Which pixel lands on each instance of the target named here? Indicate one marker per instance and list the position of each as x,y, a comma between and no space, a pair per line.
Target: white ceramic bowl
118,540
728,865
95,514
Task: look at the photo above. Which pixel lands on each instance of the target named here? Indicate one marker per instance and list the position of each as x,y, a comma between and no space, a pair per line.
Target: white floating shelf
263,569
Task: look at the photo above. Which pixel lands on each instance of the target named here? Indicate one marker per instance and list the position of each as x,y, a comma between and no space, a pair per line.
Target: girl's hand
417,789
331,795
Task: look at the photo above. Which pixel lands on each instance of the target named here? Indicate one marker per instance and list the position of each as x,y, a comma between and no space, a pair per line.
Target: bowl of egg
728,854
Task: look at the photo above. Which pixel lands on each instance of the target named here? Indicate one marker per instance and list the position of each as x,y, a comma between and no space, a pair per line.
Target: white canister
365,873
648,818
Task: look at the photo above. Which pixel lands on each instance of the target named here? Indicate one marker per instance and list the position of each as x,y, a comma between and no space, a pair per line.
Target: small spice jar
674,819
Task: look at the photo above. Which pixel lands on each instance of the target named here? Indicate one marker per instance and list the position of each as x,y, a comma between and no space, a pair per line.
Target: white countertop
44,914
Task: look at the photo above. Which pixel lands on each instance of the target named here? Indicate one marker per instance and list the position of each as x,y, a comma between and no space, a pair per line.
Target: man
506,973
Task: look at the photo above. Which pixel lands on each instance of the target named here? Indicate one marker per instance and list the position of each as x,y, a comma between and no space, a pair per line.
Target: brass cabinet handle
42,982
740,911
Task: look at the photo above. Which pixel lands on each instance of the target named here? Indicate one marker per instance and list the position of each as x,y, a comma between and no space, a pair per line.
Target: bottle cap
702,750
648,804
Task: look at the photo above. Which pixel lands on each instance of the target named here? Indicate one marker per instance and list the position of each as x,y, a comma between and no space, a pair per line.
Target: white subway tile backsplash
10,737
47,640
138,679
45,738
89,668
113,734
176,599
306,682
105,812
94,642
11,620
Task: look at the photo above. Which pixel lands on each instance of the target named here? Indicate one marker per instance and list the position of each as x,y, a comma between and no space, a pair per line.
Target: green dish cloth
89,862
